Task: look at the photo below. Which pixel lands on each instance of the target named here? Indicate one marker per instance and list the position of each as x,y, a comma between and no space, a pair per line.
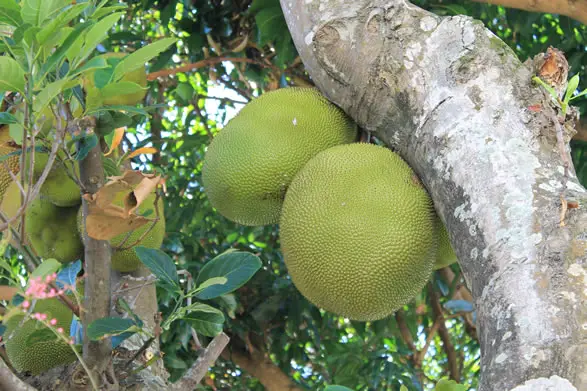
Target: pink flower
60,330
26,304
53,322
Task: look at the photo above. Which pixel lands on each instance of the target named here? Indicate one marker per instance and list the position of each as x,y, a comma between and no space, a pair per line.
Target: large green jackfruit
358,232
251,162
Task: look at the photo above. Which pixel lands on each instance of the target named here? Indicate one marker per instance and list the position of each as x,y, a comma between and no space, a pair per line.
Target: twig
201,64
197,372
453,365
139,352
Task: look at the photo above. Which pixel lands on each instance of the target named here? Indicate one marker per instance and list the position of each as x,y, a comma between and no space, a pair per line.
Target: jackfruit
7,160
445,256
45,354
52,230
138,76
358,232
59,187
251,162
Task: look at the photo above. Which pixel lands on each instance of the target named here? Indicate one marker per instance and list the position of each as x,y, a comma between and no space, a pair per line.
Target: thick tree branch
452,99
575,9
258,365
10,382
97,258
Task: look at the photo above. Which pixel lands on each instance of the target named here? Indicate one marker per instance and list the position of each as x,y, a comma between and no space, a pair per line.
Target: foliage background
240,49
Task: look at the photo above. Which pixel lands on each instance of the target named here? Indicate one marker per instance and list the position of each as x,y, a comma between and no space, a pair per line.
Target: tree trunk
453,100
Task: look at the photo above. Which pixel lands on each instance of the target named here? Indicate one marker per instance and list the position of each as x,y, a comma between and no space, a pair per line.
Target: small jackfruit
38,357
445,256
12,161
251,162
52,230
358,232
138,76
59,187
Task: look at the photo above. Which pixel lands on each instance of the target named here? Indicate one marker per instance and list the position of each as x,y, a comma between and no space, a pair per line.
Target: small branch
571,8
9,381
405,332
453,365
202,64
197,372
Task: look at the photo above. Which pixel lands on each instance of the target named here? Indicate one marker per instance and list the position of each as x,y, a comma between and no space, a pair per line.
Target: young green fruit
358,232
39,355
445,256
251,162
52,230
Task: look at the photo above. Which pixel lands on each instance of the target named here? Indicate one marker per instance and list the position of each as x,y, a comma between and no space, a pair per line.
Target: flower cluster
40,288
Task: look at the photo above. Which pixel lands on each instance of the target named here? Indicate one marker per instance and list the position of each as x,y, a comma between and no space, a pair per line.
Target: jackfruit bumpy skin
58,187
251,162
358,232
52,230
445,256
41,356
12,163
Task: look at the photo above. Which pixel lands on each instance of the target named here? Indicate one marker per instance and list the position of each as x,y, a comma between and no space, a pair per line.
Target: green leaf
105,327
140,57
161,265
85,145
337,388
93,64
449,385
107,11
580,94
270,22
48,93
120,88
97,34
185,91
237,266
61,51
36,12
60,21
41,335
7,118
48,266
10,13
206,323
258,5
210,282
571,87
11,75
182,312
129,109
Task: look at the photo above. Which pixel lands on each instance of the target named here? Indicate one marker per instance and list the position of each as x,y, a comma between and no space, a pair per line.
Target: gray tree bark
453,100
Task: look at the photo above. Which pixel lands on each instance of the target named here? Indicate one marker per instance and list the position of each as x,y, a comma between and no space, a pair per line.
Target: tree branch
97,259
202,64
572,8
206,359
9,381
258,365
453,364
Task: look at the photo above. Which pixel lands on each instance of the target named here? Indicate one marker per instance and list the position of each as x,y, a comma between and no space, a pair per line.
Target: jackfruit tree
272,195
